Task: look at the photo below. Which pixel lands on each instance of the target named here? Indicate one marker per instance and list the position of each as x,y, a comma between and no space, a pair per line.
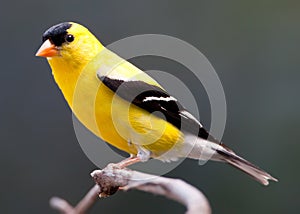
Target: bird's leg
142,156
128,161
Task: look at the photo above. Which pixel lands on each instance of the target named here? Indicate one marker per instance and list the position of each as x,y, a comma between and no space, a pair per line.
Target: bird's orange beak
47,50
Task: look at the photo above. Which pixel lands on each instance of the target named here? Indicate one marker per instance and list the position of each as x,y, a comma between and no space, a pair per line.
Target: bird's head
69,44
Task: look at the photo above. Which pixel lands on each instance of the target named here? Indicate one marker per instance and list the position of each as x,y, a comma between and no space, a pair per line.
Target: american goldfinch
116,103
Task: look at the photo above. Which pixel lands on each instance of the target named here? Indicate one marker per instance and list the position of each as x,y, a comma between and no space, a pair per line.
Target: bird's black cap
56,34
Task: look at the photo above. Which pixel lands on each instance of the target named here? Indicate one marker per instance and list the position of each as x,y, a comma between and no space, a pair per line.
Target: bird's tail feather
255,172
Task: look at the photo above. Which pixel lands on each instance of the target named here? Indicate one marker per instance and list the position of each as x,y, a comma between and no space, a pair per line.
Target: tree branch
82,207
113,178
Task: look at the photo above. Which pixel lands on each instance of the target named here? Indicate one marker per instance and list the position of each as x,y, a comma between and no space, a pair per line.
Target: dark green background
254,47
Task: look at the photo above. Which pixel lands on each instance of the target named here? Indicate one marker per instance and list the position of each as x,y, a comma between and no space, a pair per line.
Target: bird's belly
124,126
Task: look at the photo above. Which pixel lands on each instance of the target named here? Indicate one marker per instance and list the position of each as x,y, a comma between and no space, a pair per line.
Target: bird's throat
66,76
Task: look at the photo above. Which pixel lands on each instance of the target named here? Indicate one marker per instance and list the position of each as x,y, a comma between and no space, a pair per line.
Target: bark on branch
112,178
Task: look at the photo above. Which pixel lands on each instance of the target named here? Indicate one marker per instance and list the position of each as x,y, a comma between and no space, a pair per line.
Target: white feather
167,99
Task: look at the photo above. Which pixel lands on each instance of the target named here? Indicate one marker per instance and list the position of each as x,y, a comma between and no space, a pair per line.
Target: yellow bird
115,100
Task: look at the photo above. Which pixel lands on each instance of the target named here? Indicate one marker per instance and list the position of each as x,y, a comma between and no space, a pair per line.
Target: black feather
137,92
57,33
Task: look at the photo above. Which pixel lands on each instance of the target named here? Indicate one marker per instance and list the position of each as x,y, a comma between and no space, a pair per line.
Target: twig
112,178
82,207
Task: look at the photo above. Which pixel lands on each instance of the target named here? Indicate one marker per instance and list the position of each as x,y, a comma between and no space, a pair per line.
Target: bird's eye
69,38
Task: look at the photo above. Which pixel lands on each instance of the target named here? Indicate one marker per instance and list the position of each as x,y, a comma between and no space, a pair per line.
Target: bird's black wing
154,99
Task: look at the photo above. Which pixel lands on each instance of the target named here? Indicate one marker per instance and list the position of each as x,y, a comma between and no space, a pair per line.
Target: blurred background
254,48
